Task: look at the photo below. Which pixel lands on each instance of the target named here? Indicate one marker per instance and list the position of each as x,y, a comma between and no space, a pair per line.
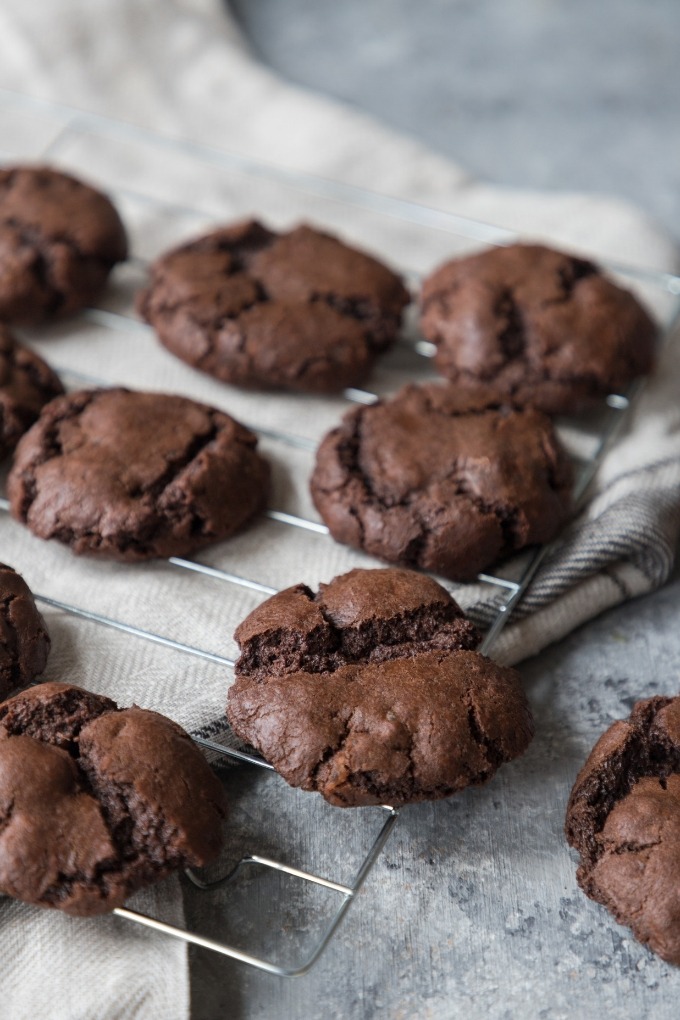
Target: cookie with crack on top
97,801
541,326
369,693
59,240
442,479
296,311
24,639
27,383
623,817
361,616
132,476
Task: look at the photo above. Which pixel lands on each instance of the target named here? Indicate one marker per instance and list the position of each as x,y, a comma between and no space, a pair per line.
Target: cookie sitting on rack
297,311
59,240
540,325
442,479
369,692
97,801
27,383
132,476
24,639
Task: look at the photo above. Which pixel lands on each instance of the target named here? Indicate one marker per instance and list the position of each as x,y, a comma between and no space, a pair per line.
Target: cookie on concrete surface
297,311
27,383
368,693
24,640
131,476
542,326
441,479
623,818
59,240
97,801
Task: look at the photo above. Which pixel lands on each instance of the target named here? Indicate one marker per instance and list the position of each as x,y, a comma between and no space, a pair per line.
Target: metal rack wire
508,590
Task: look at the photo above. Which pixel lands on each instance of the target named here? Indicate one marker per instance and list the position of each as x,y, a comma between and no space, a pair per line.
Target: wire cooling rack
149,185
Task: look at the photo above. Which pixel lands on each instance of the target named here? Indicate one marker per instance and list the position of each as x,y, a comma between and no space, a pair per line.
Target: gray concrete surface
561,94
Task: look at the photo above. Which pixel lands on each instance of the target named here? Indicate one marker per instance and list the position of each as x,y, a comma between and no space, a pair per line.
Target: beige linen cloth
181,70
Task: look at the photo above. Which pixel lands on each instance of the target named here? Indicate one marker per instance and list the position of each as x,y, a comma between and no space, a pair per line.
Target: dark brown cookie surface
97,801
24,640
27,383
623,818
539,325
131,476
361,616
298,311
443,480
368,694
59,239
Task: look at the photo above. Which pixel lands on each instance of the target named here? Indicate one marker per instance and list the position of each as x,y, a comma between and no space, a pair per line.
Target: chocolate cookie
59,240
361,616
97,801
442,479
27,383
298,311
24,641
540,325
623,818
368,694
131,476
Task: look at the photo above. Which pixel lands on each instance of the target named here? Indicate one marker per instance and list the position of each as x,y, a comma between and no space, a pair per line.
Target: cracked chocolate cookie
297,311
364,615
27,383
59,240
539,325
623,817
24,640
368,693
97,801
442,479
131,476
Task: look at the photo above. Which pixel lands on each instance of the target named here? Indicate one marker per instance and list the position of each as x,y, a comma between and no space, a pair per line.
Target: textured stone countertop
564,94
473,909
